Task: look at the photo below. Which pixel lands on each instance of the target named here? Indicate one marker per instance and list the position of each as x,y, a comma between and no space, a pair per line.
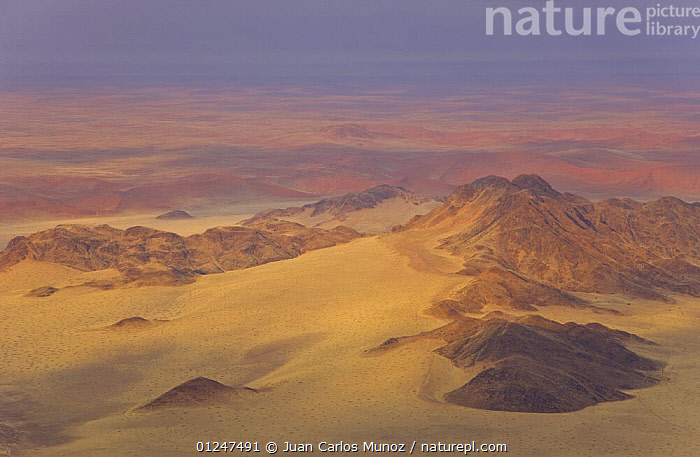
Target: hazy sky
309,41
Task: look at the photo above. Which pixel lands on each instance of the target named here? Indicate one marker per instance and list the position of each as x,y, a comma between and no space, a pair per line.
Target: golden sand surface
297,330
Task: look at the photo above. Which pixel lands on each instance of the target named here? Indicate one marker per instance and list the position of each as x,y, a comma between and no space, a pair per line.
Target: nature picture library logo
660,20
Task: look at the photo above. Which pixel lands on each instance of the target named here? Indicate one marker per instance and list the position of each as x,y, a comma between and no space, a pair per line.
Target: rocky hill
532,364
199,391
373,210
175,214
147,256
523,243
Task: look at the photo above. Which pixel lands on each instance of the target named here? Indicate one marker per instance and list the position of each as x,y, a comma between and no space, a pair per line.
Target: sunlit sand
298,330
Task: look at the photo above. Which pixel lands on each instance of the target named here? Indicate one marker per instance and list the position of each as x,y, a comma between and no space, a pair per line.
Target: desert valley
266,227
506,312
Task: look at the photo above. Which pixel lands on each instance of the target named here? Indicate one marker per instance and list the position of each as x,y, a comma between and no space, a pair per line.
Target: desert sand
297,331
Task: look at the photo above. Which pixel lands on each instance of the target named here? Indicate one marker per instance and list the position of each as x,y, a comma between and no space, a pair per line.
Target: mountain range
523,244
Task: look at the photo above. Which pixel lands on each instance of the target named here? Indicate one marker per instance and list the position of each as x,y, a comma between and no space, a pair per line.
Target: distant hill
205,189
72,198
348,158
374,210
348,131
175,214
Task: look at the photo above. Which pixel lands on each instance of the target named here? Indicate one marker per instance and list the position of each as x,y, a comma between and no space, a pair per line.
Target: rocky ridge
146,256
524,244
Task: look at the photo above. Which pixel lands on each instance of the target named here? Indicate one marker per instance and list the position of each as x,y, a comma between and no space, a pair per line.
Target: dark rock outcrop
132,323
43,291
147,256
533,364
175,214
198,392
